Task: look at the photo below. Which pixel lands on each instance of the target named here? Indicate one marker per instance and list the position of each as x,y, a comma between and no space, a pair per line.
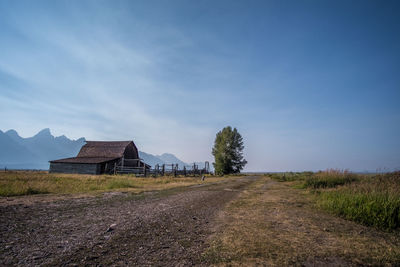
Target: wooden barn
99,157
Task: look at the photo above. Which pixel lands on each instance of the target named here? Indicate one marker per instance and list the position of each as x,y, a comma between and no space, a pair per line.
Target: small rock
111,228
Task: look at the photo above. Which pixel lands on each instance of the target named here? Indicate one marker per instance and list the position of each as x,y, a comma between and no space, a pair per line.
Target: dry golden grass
274,224
17,183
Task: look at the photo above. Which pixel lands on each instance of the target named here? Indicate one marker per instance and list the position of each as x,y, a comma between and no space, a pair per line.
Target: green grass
12,190
121,183
378,209
372,200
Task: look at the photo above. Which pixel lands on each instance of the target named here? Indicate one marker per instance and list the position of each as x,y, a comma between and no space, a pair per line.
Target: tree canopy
228,151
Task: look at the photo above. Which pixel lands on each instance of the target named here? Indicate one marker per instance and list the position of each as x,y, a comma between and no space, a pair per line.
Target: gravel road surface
161,228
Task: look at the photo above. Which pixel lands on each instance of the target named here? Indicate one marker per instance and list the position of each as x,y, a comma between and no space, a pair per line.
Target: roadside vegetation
18,183
290,176
372,200
273,224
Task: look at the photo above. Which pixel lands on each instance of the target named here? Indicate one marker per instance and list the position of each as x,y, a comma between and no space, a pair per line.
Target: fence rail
159,170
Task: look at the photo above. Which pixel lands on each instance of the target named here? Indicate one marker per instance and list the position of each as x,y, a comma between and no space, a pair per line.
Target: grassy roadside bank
18,183
274,224
372,200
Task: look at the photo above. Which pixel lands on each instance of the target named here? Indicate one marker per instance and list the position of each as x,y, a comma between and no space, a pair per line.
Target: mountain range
35,152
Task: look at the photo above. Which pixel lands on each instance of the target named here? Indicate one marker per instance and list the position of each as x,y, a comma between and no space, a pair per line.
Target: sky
310,85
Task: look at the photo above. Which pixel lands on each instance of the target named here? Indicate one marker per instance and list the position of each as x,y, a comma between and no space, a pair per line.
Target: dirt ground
162,228
250,220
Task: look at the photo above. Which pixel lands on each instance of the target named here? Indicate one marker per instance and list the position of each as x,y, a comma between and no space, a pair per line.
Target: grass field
373,200
18,183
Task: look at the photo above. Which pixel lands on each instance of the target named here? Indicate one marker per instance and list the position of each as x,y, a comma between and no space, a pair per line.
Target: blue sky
309,84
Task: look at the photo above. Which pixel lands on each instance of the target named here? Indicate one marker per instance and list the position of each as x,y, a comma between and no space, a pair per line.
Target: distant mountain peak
14,135
170,158
165,158
35,152
12,132
167,154
44,132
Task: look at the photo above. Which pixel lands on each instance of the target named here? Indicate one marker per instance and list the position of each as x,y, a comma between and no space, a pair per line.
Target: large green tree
228,152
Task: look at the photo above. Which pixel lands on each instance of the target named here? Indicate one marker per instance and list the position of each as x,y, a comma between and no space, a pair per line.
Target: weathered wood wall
56,167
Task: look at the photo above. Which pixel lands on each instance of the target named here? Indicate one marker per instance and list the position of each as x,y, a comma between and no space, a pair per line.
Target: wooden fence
142,169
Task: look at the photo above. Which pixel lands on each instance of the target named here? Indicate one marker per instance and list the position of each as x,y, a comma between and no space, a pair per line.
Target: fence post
163,169
115,168
207,167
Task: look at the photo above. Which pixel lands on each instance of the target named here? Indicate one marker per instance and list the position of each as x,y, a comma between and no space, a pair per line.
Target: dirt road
165,228
250,220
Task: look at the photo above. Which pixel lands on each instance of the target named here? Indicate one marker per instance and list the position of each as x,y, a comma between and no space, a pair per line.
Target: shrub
330,178
290,176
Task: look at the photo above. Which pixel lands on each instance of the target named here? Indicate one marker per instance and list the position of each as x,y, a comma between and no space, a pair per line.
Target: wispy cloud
93,84
171,75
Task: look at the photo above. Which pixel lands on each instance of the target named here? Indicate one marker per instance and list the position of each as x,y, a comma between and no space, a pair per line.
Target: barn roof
97,149
98,152
83,160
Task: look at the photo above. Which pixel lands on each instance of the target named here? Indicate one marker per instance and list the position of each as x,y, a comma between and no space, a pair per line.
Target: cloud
89,84
171,75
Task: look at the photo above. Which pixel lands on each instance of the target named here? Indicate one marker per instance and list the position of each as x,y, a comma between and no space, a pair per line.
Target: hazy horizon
310,85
